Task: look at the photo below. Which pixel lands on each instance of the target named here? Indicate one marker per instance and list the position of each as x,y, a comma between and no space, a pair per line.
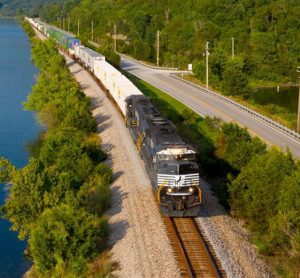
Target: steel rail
191,251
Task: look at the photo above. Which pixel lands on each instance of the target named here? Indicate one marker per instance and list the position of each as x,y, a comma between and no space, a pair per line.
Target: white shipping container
99,68
109,72
122,89
90,56
77,50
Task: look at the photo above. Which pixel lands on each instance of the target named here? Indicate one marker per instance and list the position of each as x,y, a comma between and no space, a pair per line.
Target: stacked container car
89,57
121,88
68,42
108,74
77,49
170,162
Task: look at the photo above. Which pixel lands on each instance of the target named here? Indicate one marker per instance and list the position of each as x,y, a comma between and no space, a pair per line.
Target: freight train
169,160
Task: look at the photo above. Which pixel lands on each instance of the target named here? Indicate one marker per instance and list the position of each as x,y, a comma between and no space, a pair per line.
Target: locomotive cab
169,160
178,189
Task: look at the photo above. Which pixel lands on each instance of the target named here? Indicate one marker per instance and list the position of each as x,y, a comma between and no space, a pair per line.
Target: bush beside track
58,201
257,184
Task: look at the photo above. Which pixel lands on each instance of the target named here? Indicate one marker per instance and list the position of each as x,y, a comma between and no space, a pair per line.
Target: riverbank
66,181
139,246
17,129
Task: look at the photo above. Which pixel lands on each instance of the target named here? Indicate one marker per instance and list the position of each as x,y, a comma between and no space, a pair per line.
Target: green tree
26,200
236,146
6,170
235,81
64,239
254,194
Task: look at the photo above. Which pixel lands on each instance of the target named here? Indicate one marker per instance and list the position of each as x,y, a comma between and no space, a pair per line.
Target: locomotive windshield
190,157
186,169
177,169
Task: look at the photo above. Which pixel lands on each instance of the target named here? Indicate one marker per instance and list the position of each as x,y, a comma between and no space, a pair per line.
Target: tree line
265,33
58,200
256,183
264,190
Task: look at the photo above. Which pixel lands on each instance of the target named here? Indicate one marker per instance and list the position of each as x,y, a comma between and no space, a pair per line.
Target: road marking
216,109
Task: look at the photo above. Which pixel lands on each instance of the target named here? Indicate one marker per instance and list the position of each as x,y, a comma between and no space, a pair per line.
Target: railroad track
192,251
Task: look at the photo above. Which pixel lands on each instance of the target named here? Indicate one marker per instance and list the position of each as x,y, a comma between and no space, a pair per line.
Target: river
17,128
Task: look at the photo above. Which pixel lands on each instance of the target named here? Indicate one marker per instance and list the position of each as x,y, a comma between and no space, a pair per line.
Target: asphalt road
207,105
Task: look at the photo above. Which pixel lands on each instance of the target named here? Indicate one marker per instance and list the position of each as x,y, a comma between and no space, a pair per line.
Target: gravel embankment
140,246
231,243
139,242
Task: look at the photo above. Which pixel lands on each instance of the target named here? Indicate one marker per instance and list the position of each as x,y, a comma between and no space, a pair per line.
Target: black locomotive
170,161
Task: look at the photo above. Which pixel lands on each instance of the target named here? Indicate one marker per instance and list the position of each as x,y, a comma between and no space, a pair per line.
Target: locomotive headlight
191,189
169,189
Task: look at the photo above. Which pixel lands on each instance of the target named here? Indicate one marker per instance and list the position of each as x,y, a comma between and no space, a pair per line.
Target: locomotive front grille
178,180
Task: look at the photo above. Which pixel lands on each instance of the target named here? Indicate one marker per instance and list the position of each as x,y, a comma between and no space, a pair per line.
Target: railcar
89,57
170,161
65,40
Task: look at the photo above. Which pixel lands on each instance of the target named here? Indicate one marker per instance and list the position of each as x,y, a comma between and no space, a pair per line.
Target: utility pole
206,55
157,52
92,31
115,38
78,33
298,120
68,25
232,48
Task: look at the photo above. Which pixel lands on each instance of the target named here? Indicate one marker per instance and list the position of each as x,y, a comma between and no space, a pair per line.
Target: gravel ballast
230,240
140,246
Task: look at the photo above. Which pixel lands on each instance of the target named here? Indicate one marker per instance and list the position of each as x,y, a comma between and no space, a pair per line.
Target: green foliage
236,146
28,29
189,116
266,194
254,193
235,81
95,194
56,96
64,238
59,198
262,32
111,56
6,170
16,7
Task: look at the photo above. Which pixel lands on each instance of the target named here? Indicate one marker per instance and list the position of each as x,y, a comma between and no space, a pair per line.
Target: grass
200,132
274,112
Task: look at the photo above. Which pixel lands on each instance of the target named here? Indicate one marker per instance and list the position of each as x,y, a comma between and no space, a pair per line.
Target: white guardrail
291,133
